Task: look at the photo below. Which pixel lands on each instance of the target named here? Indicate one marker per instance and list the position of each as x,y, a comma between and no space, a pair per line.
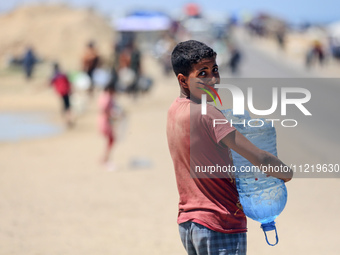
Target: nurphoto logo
239,104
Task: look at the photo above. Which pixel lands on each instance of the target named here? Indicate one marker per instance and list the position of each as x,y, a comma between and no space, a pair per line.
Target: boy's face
204,75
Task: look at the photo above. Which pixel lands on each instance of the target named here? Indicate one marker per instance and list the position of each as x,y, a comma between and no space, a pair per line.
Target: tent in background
143,21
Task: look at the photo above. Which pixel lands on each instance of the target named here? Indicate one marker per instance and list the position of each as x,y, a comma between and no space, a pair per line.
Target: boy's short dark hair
187,53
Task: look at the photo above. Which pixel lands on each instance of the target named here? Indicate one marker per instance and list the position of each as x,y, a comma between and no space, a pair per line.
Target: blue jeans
199,240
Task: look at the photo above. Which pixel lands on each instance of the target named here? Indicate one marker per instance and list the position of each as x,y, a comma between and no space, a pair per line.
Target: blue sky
293,10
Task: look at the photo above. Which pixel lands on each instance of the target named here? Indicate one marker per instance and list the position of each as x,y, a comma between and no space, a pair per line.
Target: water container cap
269,227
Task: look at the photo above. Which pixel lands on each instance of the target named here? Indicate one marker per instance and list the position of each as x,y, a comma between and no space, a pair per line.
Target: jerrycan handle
268,227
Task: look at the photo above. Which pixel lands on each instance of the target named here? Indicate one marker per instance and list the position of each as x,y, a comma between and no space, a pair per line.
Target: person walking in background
280,35
90,62
107,115
129,65
62,86
135,65
315,53
29,60
129,68
234,59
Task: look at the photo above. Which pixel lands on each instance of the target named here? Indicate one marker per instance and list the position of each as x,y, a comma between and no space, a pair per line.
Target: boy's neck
193,99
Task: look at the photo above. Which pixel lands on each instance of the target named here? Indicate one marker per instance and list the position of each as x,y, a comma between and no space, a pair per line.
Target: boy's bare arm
237,142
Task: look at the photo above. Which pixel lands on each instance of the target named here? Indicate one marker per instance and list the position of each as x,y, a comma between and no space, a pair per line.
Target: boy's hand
237,142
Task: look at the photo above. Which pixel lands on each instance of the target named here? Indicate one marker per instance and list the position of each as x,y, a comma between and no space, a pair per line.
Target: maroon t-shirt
207,199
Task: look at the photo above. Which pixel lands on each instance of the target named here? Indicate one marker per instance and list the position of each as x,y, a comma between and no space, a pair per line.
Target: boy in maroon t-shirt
210,218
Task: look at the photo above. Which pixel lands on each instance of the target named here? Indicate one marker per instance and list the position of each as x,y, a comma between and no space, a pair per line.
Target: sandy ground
57,199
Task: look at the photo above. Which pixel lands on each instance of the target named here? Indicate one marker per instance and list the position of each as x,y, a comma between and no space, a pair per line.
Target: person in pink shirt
105,120
210,217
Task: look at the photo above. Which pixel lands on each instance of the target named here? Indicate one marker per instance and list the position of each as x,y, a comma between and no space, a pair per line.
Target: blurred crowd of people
103,77
123,71
323,45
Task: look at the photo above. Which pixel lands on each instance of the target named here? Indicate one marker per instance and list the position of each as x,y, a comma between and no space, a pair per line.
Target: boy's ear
183,81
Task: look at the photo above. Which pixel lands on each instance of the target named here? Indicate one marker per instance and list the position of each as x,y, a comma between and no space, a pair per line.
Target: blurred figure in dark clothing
90,62
29,60
334,45
315,53
281,37
235,58
129,68
135,65
62,87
